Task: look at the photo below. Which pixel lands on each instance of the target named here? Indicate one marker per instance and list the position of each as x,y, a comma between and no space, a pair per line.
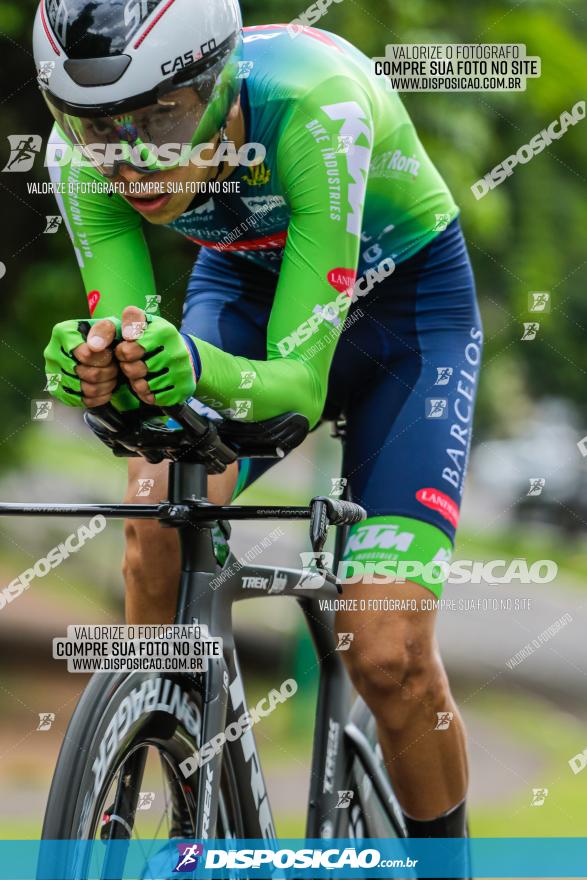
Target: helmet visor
159,135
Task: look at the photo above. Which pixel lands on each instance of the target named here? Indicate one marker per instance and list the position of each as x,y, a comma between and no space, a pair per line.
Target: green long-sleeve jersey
345,190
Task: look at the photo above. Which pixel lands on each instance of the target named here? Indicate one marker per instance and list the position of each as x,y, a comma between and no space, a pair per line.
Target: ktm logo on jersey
258,175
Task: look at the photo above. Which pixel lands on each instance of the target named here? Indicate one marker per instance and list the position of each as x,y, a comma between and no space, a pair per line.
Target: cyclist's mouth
148,204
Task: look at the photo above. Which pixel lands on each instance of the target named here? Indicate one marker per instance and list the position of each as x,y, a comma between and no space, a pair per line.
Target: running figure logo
189,854
338,486
343,143
537,484
441,222
146,800
53,381
443,720
436,407
539,301
46,719
530,331
53,224
539,795
443,375
135,329
344,641
46,68
244,69
344,800
241,408
312,577
24,149
247,379
145,486
42,410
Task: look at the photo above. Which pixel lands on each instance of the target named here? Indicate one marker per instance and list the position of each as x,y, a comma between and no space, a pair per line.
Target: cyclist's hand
97,367
155,359
80,372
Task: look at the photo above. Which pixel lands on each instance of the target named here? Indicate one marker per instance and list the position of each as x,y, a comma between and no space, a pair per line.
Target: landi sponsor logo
441,503
342,280
93,300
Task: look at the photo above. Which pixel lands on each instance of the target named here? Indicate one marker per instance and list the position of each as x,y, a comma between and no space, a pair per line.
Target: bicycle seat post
188,484
187,481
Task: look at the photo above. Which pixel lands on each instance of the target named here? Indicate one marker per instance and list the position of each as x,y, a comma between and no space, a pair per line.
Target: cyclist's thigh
228,303
147,483
409,428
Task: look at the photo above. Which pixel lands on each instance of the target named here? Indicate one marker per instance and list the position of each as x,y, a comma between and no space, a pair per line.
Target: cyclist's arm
321,239
107,237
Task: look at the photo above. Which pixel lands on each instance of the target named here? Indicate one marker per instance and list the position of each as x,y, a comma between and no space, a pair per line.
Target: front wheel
117,775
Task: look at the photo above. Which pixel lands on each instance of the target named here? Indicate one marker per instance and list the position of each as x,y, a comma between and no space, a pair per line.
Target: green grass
556,737
20,829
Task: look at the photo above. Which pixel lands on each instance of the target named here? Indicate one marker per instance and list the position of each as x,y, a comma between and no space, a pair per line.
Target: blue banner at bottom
157,860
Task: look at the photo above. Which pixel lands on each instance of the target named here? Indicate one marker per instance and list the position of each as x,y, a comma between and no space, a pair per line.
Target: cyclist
332,277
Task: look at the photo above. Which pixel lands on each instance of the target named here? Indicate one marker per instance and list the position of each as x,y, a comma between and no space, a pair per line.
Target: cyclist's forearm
121,276
108,240
268,388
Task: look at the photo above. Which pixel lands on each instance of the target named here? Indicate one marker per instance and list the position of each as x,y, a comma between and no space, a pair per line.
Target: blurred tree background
528,234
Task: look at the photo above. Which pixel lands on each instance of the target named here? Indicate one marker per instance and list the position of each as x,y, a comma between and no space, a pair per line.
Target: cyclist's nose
129,174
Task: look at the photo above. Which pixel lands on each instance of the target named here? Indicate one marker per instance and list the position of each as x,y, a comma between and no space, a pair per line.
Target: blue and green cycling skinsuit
336,280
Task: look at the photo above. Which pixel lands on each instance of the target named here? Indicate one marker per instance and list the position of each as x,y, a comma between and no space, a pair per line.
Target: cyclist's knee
221,486
397,671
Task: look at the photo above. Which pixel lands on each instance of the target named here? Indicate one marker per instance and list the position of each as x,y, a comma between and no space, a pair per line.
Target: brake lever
319,525
324,512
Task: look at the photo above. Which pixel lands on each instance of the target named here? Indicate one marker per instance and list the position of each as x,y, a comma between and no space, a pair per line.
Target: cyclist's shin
453,823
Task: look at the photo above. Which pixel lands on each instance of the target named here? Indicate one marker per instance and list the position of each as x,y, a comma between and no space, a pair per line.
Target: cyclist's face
164,196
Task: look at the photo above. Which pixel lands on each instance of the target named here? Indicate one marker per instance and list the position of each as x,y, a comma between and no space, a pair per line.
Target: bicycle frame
336,739
224,698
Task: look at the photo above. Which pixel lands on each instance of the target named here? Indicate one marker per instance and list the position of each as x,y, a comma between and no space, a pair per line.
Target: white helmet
138,73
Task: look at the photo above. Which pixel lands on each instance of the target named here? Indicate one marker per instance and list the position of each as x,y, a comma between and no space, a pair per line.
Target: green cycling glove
172,367
62,381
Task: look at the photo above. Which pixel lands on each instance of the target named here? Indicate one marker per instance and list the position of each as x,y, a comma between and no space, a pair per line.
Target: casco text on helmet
114,55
